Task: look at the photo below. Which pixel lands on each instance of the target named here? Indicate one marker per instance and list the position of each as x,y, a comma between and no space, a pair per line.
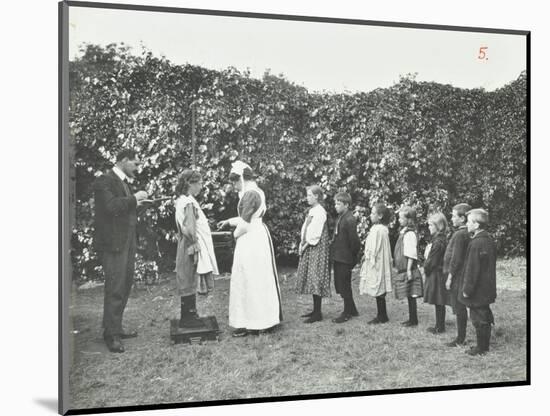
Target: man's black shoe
114,344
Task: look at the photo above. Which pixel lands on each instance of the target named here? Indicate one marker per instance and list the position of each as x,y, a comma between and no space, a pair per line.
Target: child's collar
478,233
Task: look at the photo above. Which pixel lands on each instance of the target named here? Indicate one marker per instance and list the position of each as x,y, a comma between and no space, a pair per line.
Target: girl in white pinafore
254,295
195,257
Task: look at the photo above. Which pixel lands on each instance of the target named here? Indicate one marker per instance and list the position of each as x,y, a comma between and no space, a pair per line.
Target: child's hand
448,283
465,295
409,275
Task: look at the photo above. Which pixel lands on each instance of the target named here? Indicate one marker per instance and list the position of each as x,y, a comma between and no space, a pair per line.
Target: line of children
461,273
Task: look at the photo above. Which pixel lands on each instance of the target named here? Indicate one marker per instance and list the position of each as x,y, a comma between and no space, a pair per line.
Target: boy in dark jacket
344,251
477,288
453,265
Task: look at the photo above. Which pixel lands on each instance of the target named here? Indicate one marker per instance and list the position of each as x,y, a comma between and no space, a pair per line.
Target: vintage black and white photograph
264,206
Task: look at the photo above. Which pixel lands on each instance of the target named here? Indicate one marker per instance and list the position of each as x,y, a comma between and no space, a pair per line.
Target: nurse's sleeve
249,204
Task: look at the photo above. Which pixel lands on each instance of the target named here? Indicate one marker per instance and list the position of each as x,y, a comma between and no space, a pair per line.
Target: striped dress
313,274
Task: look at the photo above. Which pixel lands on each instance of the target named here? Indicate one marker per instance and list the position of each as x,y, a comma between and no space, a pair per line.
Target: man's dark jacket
478,280
115,212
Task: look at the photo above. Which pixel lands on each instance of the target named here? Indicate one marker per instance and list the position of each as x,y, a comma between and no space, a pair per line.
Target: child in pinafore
313,275
344,250
478,288
195,258
408,279
453,264
376,269
435,292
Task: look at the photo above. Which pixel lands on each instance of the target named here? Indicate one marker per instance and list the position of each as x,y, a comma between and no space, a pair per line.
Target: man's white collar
121,174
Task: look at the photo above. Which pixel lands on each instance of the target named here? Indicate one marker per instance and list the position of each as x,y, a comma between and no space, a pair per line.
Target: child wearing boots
453,264
477,288
195,258
408,279
435,292
345,248
376,269
313,274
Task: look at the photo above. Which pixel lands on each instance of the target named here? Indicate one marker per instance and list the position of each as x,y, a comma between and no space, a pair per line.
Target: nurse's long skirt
254,295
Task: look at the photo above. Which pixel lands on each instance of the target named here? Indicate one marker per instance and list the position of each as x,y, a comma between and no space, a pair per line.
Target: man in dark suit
115,241
344,251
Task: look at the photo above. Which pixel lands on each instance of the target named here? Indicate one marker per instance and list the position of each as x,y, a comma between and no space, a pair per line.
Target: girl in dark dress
435,292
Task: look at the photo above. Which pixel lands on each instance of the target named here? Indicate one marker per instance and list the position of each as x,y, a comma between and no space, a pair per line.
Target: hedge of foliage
418,143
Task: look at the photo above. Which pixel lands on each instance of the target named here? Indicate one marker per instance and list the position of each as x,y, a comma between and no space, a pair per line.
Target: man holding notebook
115,241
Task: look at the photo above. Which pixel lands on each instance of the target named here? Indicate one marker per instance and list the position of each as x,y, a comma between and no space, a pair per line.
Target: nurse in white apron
254,295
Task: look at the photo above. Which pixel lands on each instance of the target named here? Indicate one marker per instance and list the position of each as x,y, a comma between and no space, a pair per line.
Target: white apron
254,295
207,258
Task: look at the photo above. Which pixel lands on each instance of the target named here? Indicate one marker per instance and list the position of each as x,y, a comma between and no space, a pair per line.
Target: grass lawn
296,359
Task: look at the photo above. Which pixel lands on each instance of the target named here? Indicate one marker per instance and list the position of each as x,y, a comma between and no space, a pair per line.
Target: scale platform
209,332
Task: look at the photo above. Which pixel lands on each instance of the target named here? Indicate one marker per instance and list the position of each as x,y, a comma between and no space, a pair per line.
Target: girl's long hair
187,177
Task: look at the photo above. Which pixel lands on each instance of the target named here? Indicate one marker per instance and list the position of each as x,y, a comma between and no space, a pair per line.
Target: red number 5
482,54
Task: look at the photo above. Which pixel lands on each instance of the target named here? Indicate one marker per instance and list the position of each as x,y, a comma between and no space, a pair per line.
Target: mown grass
296,359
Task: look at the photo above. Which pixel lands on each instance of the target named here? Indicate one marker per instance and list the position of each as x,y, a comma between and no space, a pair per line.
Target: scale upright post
193,140
210,330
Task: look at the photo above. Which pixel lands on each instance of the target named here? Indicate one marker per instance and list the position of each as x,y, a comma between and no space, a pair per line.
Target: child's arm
303,246
449,282
315,228
472,270
189,226
457,258
436,253
353,239
410,251
410,263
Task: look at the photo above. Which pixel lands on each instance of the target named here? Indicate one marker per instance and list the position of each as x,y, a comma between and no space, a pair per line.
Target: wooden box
209,332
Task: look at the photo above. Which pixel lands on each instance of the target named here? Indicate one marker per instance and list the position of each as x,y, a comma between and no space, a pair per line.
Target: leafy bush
418,143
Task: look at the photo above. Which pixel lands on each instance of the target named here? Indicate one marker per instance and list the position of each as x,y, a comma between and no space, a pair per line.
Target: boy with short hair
453,265
344,251
477,288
